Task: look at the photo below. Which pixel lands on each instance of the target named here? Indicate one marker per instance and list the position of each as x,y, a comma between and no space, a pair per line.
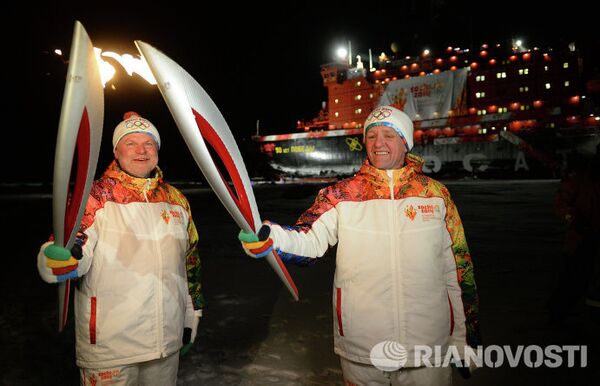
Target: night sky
257,62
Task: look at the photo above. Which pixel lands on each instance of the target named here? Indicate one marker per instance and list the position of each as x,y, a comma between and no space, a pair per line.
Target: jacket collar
136,183
413,164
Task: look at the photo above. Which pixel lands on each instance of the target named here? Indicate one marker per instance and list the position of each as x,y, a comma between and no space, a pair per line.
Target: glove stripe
51,263
265,253
255,245
247,237
186,348
262,247
55,252
70,275
64,270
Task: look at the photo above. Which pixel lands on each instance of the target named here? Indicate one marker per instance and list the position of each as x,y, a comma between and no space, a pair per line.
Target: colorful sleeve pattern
464,269
192,257
194,268
312,234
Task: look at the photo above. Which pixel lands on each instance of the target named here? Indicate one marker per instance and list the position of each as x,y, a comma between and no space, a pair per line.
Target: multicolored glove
257,246
463,369
57,264
190,326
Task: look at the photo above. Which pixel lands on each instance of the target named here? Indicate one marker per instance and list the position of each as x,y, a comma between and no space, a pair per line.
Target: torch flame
131,65
107,71
127,61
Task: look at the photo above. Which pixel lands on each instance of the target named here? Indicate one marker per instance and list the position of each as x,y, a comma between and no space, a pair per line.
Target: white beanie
133,123
394,118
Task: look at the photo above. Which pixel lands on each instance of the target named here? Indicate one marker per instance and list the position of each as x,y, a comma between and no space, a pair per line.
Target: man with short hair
404,276
138,295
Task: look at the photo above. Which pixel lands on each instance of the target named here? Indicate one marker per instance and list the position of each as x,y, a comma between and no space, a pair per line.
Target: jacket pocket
338,309
451,316
93,320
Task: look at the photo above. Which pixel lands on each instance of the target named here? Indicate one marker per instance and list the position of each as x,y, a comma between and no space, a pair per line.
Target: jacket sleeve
87,237
311,236
193,267
462,290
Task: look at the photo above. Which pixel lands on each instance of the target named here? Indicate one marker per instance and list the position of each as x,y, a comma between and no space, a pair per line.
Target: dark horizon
258,63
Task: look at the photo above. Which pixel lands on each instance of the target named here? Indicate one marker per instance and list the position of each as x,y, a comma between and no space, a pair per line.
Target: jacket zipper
159,298
396,286
146,188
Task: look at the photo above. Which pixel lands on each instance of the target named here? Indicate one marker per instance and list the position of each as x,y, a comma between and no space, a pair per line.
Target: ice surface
253,333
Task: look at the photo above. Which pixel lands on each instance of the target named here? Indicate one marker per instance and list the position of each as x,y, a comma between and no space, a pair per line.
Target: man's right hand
257,246
57,264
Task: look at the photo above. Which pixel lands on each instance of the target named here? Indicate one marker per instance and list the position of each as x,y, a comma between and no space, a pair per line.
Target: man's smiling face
137,154
385,148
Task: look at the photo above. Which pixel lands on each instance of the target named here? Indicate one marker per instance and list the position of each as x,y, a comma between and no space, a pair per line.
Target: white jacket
131,299
403,269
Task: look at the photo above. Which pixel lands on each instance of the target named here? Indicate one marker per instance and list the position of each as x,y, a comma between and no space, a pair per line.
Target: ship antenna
257,125
349,53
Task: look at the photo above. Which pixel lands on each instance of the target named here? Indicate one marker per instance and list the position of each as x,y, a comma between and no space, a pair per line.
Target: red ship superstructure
489,111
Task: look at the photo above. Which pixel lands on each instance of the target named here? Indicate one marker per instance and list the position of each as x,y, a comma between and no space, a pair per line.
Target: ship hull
338,153
499,155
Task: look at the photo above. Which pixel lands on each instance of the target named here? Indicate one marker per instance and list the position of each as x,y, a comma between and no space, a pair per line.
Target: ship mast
349,53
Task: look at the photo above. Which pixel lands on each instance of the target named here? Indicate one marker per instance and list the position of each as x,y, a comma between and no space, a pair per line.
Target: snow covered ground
253,333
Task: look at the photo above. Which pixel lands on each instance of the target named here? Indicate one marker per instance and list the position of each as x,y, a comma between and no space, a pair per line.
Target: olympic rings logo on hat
381,113
137,123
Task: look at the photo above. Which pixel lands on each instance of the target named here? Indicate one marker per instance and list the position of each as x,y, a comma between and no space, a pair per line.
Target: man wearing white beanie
404,278
135,144
138,296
